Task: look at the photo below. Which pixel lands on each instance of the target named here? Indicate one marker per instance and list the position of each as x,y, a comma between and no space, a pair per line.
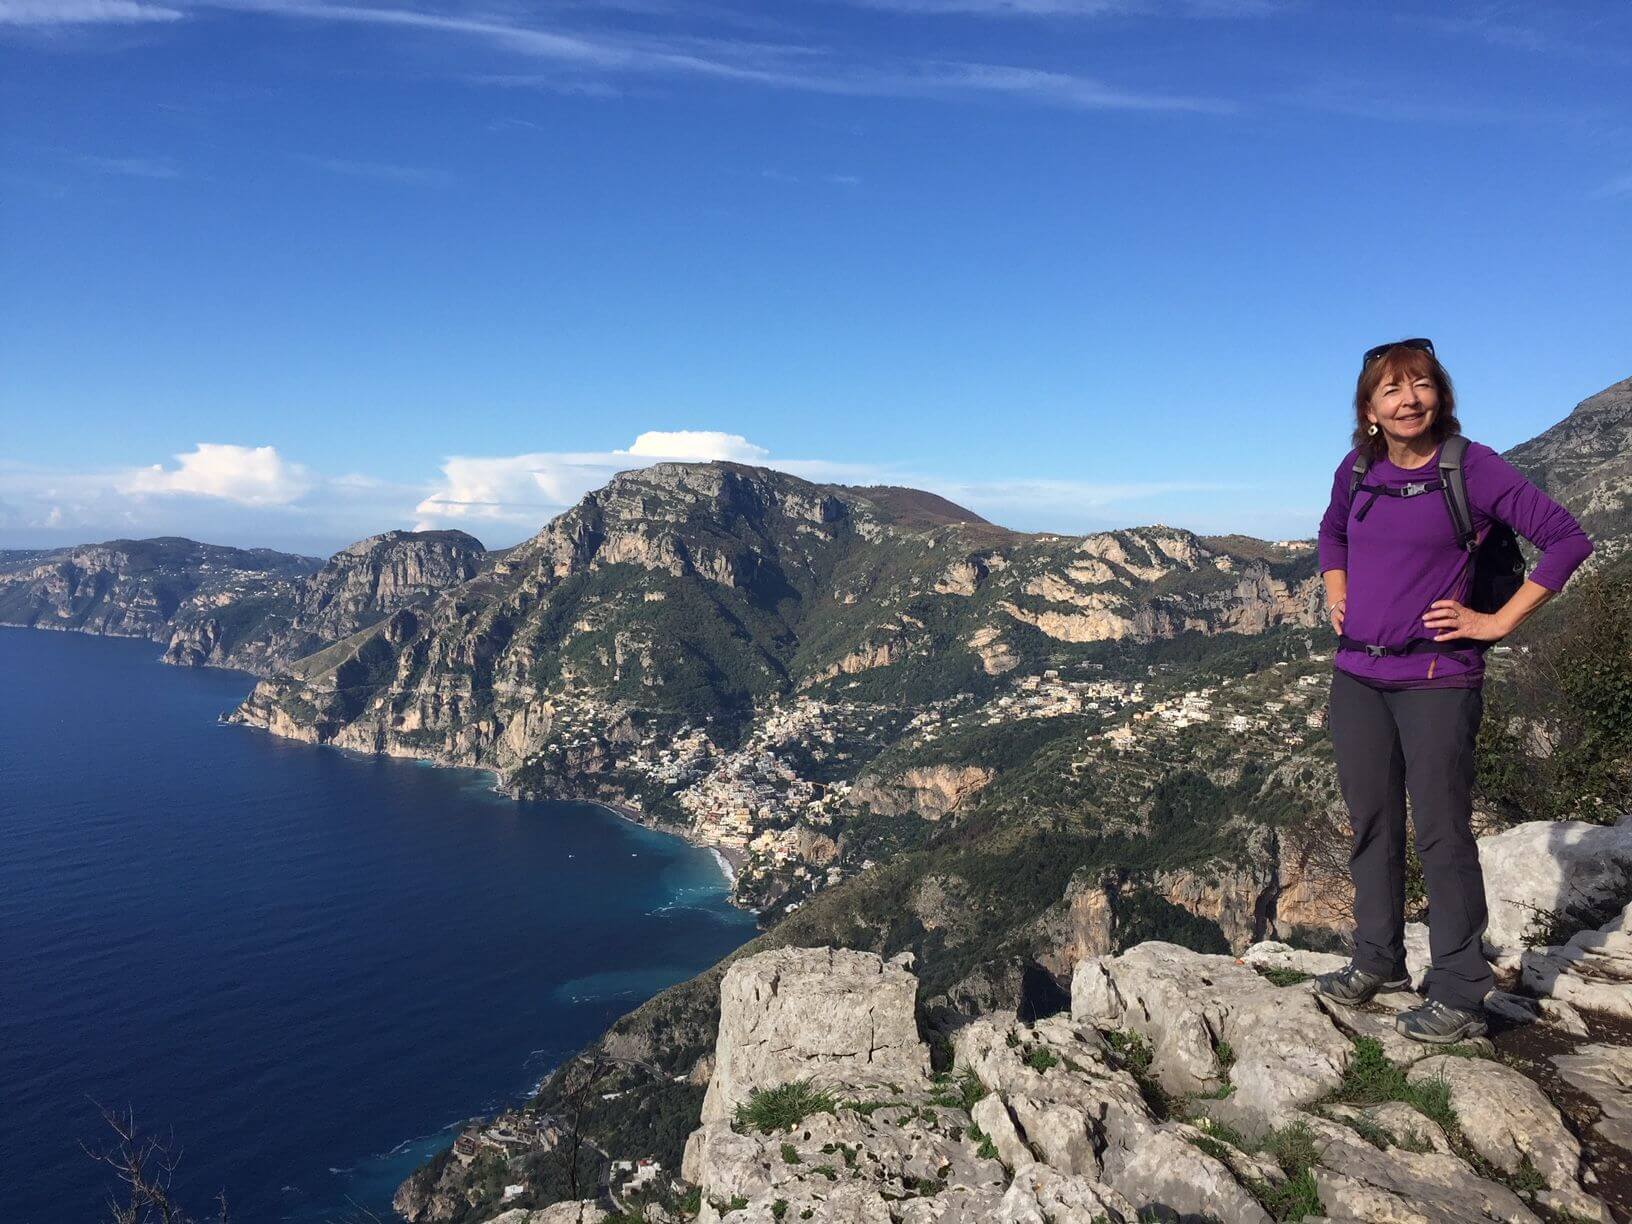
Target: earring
1372,429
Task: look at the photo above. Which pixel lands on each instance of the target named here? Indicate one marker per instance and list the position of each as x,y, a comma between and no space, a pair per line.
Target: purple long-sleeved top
1404,555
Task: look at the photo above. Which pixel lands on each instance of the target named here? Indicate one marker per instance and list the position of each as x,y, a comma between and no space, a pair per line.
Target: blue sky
290,272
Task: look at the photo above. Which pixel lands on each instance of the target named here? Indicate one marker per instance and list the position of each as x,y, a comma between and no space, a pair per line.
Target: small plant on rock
1282,977
1041,1059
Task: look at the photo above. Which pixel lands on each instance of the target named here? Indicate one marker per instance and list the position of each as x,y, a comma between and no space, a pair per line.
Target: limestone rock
1357,1181
849,1160
1039,1195
586,1212
930,791
1506,1118
997,1124
1188,1005
1551,866
1376,1020
1402,1124
1272,955
1158,1166
824,1014
1593,971
1082,1116
1604,1073
1418,957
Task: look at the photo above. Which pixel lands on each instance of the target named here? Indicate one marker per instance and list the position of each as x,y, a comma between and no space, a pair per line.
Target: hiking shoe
1353,986
1440,1024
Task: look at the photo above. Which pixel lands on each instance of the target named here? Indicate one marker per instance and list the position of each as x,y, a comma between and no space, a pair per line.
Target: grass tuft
784,1107
1041,1059
1283,977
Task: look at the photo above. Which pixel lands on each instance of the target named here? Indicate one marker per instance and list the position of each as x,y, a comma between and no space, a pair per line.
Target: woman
1406,684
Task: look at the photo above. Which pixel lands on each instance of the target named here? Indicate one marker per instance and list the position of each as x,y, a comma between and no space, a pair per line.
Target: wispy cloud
1597,35
82,12
1620,186
611,53
1085,8
385,172
133,167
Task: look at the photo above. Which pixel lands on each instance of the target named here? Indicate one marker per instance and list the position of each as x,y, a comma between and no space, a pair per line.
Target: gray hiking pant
1389,743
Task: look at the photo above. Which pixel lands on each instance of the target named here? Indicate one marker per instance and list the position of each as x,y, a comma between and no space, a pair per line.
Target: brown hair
1411,363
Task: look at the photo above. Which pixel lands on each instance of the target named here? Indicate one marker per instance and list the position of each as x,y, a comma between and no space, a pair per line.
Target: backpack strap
1451,453
1362,464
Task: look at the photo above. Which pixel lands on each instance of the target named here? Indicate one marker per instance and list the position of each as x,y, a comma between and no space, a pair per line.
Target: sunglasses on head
1420,342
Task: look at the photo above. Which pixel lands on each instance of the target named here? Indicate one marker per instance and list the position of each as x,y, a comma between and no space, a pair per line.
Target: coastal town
775,805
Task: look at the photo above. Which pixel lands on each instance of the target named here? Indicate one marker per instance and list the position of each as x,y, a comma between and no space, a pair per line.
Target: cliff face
142,588
1585,462
355,589
252,609
711,590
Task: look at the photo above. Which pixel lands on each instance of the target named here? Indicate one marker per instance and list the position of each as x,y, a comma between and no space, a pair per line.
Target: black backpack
1498,563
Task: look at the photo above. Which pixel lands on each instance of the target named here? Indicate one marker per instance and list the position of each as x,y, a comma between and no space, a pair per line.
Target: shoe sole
1402,984
1467,1031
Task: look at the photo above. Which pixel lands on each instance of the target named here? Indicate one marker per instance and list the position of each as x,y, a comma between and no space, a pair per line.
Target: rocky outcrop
1585,462
826,1015
142,588
1603,1073
1358,1181
1190,1007
1511,1124
929,791
1546,872
357,587
1593,971
586,1212
1056,1121
251,609
1247,903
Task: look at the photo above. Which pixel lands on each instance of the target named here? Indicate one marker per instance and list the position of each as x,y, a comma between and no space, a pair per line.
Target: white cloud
248,475
528,489
696,445
514,489
232,494
82,12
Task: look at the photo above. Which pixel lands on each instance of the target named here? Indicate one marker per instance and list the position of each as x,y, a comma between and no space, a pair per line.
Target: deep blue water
306,964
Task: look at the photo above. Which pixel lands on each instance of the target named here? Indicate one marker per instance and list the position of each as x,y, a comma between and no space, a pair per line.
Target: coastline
728,860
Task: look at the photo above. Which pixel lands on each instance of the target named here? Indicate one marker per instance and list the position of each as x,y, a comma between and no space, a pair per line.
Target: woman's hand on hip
1450,619
1336,613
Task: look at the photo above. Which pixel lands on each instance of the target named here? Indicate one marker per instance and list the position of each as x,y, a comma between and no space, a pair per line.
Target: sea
303,969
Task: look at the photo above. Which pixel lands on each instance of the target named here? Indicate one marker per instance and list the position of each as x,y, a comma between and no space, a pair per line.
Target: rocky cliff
146,588
1585,462
710,592
252,609
355,589
1168,1085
